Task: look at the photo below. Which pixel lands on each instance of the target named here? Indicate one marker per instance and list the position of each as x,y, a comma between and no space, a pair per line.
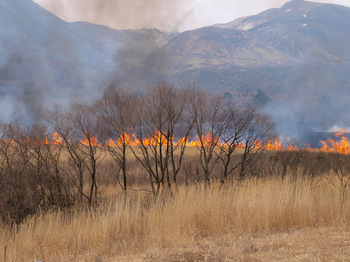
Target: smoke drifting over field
311,103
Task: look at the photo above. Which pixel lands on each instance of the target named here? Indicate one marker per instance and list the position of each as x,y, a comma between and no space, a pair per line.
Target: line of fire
340,145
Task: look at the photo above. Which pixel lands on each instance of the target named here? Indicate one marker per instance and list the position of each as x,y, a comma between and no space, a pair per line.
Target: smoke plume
132,14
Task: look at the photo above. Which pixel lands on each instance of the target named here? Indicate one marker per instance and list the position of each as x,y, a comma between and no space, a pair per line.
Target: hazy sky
167,15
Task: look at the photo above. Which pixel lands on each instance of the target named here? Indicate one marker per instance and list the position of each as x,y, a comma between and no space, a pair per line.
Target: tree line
95,144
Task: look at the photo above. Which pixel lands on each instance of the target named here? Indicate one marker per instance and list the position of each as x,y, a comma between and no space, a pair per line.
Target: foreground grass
307,244
292,219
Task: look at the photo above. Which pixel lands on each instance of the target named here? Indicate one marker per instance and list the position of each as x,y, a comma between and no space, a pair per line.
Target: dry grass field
255,220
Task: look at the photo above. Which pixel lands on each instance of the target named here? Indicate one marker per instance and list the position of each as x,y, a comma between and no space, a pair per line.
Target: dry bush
31,174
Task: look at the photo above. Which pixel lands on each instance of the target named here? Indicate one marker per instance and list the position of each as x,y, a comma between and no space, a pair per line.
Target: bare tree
62,124
18,200
157,117
78,129
46,160
7,149
87,129
258,131
207,115
234,127
340,165
180,125
21,181
113,110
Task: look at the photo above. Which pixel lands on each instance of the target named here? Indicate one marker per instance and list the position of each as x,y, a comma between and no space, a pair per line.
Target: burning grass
238,220
340,145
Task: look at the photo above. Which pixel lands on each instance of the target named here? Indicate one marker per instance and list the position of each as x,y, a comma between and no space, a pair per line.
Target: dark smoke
49,61
29,85
44,63
22,101
139,66
140,60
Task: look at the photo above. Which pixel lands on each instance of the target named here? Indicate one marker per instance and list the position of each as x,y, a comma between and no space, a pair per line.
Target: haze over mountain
298,55
44,60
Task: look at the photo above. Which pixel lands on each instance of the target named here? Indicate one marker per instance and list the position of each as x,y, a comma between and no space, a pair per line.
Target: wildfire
57,139
125,138
160,139
90,140
276,145
341,146
206,140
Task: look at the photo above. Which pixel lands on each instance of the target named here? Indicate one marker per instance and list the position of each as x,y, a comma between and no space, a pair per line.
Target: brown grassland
255,220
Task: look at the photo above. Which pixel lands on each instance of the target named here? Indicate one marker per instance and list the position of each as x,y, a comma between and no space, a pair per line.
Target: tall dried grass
135,223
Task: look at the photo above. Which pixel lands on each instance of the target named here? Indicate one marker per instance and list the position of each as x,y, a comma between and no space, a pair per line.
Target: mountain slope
221,48
297,54
43,62
304,30
111,40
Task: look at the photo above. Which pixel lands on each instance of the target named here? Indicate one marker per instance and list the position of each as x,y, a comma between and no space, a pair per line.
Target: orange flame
92,142
331,145
58,140
276,145
257,144
183,141
123,139
206,140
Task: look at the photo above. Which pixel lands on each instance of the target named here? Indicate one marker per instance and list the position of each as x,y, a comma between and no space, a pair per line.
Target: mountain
283,41
304,30
111,40
29,31
297,55
239,55
221,48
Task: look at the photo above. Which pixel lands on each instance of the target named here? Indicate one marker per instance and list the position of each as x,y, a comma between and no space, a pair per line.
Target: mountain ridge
300,21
